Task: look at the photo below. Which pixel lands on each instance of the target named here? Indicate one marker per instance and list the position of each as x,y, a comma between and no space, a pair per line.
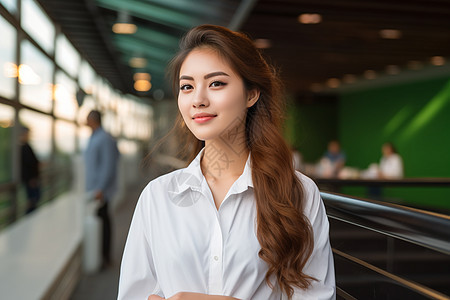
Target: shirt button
216,258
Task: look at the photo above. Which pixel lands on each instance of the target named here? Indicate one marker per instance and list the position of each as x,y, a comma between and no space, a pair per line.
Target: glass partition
35,78
40,126
8,65
38,25
65,100
10,5
66,56
65,137
6,123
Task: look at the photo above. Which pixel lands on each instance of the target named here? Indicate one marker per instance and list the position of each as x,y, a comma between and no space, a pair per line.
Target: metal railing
423,228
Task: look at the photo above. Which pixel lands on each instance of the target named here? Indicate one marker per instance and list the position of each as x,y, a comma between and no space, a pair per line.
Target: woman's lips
203,117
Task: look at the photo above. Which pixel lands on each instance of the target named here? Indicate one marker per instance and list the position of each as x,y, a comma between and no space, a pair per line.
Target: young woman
238,222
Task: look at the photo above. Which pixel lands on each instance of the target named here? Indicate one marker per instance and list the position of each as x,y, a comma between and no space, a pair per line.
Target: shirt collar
192,178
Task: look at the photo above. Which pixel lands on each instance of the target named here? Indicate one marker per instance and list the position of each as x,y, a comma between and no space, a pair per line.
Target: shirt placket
216,260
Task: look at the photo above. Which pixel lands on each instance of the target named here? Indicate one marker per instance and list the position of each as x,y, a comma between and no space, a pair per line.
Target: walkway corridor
103,285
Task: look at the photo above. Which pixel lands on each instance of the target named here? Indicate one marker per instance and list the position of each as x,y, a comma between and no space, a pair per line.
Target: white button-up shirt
180,242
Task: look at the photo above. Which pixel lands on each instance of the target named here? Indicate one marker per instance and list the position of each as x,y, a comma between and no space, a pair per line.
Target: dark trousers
102,212
33,195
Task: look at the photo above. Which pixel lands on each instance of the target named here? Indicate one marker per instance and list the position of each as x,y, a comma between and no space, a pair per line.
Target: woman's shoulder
308,184
312,199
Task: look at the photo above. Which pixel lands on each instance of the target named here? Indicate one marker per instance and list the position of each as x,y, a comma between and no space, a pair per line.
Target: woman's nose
200,98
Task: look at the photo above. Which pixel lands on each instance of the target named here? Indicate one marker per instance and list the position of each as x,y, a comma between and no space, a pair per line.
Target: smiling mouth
202,118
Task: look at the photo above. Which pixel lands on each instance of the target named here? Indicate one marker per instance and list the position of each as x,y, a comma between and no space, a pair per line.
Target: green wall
310,126
416,118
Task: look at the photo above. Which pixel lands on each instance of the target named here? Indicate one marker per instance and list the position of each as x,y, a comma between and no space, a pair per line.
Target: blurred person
239,222
29,170
332,161
101,158
298,159
391,163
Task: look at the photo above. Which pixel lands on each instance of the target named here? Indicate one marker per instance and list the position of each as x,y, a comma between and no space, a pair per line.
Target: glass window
7,59
10,5
6,123
65,100
35,78
127,147
65,137
38,25
109,122
87,77
83,111
66,56
40,132
84,133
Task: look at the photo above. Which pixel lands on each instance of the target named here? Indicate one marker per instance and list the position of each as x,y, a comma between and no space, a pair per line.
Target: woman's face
212,97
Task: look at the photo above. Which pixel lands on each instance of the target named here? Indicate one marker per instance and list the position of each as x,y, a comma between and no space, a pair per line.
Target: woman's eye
217,84
185,87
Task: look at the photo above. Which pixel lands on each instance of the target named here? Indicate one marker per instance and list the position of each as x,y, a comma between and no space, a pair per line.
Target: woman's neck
223,159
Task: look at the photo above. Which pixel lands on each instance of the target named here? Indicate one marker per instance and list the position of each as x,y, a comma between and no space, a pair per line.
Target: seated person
332,161
391,164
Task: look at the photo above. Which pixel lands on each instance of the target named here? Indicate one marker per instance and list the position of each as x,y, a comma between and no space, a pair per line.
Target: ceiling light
142,76
123,24
262,43
142,85
370,74
333,83
124,28
391,34
310,18
392,69
414,64
137,62
349,78
437,60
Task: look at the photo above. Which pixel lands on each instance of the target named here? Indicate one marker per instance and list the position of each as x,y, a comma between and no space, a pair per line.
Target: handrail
414,286
428,229
410,182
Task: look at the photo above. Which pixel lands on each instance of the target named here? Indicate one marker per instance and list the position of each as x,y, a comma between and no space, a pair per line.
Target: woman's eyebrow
185,77
215,74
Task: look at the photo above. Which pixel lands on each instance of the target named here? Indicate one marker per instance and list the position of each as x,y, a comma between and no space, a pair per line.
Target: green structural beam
151,12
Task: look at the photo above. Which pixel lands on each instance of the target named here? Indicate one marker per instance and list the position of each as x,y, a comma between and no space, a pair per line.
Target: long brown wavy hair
283,231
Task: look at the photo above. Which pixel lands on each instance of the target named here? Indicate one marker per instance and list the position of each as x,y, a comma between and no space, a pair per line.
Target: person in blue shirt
101,158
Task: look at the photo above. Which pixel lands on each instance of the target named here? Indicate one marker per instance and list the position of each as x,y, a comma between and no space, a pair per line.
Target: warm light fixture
124,24
124,28
437,60
370,74
310,18
392,69
142,85
390,34
333,83
262,43
137,62
142,76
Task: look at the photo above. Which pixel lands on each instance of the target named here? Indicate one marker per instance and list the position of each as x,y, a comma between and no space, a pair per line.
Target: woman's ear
252,97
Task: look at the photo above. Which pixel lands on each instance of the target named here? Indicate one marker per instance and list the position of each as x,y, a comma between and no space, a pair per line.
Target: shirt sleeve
137,273
320,264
